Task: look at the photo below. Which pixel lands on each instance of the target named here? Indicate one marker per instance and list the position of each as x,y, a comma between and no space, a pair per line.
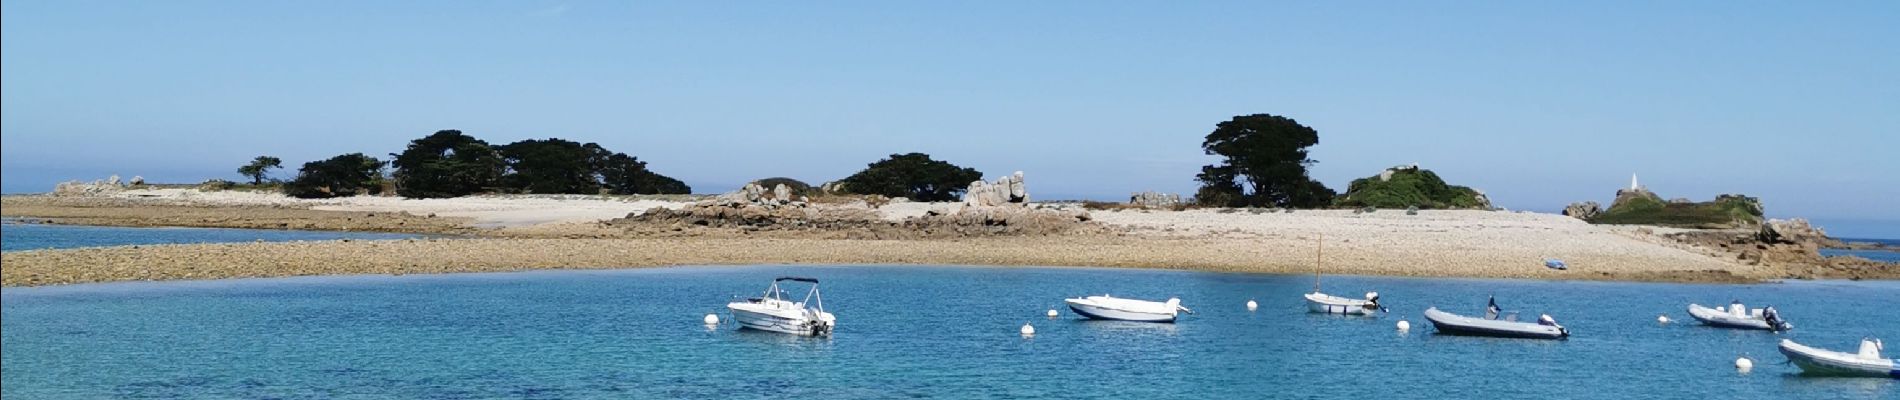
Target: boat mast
1317,252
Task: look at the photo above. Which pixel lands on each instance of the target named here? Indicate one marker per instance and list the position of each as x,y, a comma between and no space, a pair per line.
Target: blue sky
1537,103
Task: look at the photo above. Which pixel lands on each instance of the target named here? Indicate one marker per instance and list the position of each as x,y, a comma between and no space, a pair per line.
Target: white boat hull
773,323
1322,303
1455,324
1711,317
1815,361
793,319
1093,310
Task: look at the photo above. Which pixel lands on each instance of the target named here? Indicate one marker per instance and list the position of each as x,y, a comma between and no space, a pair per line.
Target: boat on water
1320,302
774,312
1330,304
1739,316
1119,309
1866,362
1496,325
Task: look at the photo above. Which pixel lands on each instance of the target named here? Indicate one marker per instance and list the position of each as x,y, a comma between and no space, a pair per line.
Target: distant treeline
451,164
1263,164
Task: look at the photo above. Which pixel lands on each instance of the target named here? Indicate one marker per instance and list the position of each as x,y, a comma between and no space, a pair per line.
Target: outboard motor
1373,297
1175,303
1774,319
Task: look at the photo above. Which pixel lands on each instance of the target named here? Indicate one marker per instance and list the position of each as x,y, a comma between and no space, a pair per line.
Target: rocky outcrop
94,188
1154,199
1633,197
136,181
1794,231
1006,191
851,221
753,194
1583,210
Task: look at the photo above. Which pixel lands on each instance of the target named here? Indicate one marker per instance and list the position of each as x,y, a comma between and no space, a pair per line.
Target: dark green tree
561,166
913,175
259,167
344,175
624,174
551,166
1263,164
446,164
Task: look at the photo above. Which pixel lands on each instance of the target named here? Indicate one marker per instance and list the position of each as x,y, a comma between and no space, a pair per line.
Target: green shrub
1409,187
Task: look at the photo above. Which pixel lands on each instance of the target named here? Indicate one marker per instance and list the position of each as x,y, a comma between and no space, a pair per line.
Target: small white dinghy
1330,304
1454,324
1321,302
1739,316
772,312
1111,308
1867,362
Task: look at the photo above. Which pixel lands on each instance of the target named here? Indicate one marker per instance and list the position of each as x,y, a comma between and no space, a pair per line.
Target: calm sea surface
904,332
23,236
1876,255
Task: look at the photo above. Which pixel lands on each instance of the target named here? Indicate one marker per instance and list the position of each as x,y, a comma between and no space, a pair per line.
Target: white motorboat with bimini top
773,312
1739,316
1866,362
1493,324
1111,308
1320,302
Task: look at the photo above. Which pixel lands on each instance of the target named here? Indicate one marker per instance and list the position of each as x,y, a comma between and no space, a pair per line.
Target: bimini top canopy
795,278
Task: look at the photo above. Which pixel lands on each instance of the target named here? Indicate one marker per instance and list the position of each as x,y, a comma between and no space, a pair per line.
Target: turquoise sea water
26,236
904,332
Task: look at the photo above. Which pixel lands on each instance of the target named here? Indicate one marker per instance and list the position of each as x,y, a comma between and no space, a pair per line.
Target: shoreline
596,232
411,256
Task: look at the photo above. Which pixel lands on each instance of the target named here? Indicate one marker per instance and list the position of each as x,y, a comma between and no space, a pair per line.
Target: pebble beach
526,232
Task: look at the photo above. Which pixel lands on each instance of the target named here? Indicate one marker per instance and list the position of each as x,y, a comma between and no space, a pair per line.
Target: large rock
1583,210
1154,199
753,194
1006,191
1794,231
94,188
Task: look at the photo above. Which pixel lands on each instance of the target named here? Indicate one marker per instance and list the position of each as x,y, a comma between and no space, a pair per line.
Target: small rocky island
1408,187
1730,226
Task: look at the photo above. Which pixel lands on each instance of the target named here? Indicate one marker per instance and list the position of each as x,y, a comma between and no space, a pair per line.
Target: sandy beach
508,233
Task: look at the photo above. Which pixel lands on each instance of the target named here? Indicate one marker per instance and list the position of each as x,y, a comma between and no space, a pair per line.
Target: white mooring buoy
1662,319
1404,326
1028,330
1052,313
1744,364
1251,305
712,319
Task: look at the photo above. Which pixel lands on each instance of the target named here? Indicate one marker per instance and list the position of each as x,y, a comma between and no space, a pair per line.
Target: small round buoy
1744,364
1029,330
1404,326
712,319
1052,313
1662,319
1251,305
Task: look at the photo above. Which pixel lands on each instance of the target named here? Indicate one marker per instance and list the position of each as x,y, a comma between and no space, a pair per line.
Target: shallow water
903,332
24,236
1876,255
